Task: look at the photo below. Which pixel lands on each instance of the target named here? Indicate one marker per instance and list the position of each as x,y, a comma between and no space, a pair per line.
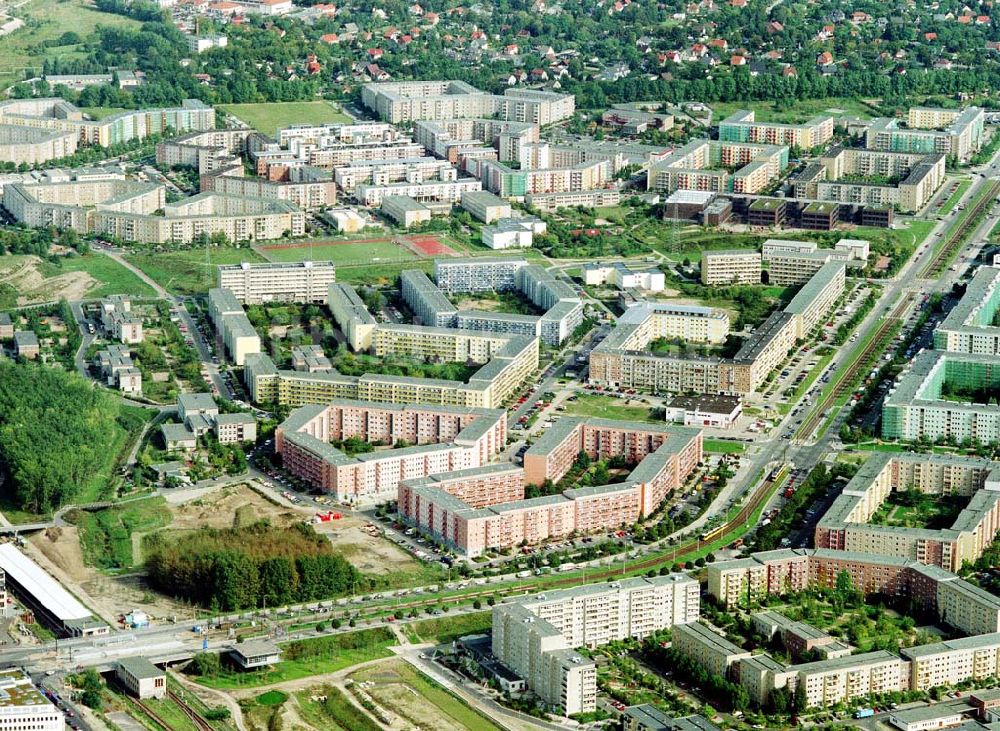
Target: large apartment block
465,510
845,525
741,126
534,636
307,187
130,211
958,134
445,439
306,282
969,326
34,146
411,101
705,164
478,274
426,301
622,358
915,406
931,588
59,115
730,266
231,323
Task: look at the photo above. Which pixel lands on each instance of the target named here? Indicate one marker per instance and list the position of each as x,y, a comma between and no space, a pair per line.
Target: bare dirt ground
218,510
480,304
388,686
370,554
21,273
58,549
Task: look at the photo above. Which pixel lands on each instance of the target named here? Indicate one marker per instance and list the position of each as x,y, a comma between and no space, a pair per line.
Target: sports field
348,253
269,117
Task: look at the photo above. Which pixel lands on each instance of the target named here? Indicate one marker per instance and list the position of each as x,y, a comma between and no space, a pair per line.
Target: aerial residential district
522,365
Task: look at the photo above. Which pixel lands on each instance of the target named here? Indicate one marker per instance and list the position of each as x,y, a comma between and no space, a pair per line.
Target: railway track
857,367
957,237
196,718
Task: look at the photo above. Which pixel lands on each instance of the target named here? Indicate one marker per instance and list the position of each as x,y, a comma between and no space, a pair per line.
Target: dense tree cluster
251,566
55,429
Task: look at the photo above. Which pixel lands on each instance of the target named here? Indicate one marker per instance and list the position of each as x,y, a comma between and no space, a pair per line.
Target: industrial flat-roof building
45,596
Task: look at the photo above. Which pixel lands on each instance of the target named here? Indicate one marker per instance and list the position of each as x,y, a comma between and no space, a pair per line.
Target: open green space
112,277
303,658
446,629
723,446
269,117
46,35
790,113
609,407
914,509
106,536
358,364
187,271
387,680
345,253
101,112
954,198
328,707
380,274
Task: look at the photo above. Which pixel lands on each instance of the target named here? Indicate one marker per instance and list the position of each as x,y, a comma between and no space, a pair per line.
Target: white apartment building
534,636
305,281
444,191
730,266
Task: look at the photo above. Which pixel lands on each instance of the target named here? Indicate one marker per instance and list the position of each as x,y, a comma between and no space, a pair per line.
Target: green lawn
48,20
310,657
101,112
268,117
111,276
955,197
446,629
106,535
342,254
801,111
185,272
608,407
723,446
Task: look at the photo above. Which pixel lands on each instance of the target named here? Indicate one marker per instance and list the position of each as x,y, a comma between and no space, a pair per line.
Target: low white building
718,412
141,678
622,276
513,233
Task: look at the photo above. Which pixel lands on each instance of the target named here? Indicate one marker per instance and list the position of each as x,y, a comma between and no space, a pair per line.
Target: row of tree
258,565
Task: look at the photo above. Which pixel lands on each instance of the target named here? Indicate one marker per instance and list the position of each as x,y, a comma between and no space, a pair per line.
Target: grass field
723,446
101,112
342,254
801,111
398,687
336,713
954,197
310,657
185,272
48,20
447,629
106,536
269,117
113,277
608,407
